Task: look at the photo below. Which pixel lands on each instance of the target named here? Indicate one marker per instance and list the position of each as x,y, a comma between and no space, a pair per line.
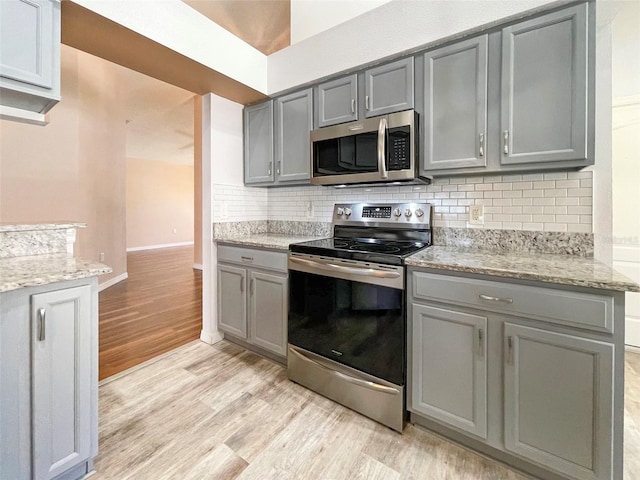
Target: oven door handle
347,378
368,272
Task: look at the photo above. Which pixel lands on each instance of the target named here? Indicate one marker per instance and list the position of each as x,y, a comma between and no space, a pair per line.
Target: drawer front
253,258
582,310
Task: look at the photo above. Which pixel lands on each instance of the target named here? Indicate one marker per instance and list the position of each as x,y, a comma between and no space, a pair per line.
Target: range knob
397,212
340,211
419,213
347,211
407,213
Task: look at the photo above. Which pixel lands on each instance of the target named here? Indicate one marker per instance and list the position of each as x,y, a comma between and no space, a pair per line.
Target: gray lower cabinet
455,105
449,366
276,143
494,371
294,122
544,88
252,296
30,54
48,381
557,400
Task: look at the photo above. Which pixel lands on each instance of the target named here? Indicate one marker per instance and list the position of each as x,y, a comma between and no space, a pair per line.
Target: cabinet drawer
582,310
253,258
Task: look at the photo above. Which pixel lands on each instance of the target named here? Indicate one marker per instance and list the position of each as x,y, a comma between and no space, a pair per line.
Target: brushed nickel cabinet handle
366,102
481,149
480,342
505,138
278,167
510,350
246,259
42,316
353,105
495,299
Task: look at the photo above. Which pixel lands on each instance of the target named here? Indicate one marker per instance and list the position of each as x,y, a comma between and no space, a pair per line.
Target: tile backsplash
552,202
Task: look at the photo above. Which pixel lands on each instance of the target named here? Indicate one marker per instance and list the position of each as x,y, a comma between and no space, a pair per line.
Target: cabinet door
232,300
61,380
455,94
268,311
544,88
449,367
258,143
389,88
294,121
26,41
558,410
337,101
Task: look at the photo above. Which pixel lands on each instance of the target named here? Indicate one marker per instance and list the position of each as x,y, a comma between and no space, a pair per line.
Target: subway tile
498,217
555,192
512,225
449,188
554,210
493,225
457,209
544,218
555,176
503,186
586,201
434,188
449,202
579,210
555,227
457,195
568,201
532,177
492,194
579,227
465,188
544,185
583,174
492,210
532,226
586,219
586,183
475,194
568,218
483,186
522,201
512,178
503,202
442,195
512,194
568,183
492,179
533,210
440,181
580,192
544,201
512,210
457,180
523,185
465,201
532,193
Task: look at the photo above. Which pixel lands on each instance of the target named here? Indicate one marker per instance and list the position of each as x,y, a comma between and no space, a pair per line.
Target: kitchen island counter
560,269
275,241
32,270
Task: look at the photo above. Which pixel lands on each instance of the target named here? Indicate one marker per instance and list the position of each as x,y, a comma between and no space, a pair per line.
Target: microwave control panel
399,149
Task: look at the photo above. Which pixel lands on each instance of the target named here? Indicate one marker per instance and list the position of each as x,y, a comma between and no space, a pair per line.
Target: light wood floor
219,412
158,308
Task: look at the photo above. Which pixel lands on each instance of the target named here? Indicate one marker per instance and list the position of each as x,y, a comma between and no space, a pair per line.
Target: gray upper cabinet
258,143
338,101
558,402
544,88
294,122
30,54
389,88
455,105
449,367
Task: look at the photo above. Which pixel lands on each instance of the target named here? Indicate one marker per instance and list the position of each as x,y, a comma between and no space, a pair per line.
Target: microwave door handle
382,136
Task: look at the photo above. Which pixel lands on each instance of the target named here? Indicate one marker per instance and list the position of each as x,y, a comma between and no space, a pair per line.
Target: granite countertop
27,227
267,240
31,270
561,269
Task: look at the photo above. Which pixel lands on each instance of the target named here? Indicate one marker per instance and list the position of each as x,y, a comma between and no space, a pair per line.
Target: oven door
350,312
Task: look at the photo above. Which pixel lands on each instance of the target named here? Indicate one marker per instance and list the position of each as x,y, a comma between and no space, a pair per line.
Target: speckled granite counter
266,240
31,270
561,269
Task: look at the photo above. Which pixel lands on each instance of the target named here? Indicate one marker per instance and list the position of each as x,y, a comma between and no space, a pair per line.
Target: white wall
391,28
310,18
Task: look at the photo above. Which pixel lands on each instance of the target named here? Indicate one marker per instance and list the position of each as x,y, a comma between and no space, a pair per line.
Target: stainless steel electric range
347,312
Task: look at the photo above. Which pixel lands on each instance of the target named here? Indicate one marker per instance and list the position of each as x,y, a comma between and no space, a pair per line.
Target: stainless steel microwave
380,149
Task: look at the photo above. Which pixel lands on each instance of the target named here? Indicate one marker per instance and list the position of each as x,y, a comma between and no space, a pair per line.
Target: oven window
357,324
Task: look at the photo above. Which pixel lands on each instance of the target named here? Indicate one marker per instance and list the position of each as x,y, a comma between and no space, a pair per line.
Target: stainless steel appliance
374,150
347,315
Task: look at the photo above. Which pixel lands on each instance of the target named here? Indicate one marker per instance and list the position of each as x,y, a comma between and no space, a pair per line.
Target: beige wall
159,201
73,168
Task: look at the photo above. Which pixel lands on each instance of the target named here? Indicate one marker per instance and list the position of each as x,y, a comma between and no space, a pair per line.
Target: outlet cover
476,214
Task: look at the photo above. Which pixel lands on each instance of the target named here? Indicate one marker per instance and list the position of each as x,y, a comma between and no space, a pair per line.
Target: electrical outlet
476,214
309,210
102,256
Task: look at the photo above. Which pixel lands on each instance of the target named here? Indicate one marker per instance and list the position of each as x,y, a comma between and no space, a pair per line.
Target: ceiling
159,116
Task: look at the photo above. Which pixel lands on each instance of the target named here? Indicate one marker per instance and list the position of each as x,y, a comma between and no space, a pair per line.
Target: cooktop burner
375,233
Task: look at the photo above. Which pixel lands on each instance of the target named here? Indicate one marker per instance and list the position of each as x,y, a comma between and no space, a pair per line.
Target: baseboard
632,349
197,266
210,337
111,282
162,245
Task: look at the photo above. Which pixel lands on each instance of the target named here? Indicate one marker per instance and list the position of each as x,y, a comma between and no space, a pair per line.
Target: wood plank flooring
158,308
220,412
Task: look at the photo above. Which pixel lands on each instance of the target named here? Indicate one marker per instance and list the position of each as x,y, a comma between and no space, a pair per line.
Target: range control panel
415,215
